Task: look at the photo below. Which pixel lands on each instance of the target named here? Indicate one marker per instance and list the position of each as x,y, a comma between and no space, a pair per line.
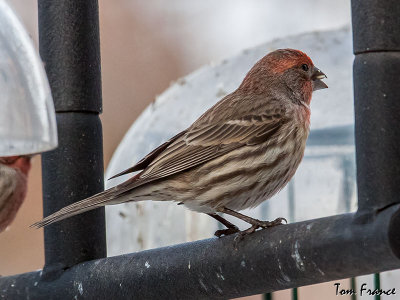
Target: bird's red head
22,163
282,60
287,68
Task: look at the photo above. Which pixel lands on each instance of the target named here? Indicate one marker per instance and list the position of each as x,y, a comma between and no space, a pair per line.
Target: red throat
307,92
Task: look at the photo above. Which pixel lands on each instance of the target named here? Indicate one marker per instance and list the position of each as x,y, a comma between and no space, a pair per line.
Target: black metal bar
377,285
294,294
376,25
376,37
267,296
69,46
353,286
277,258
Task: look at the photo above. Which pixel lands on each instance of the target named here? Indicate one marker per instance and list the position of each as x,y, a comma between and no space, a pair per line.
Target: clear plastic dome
27,117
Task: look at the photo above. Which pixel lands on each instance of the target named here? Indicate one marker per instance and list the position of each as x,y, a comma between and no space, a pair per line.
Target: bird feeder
27,118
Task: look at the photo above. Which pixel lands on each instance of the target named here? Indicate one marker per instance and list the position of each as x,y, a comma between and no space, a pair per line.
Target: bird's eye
304,67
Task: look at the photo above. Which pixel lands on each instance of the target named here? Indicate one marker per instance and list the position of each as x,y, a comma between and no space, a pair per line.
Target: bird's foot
255,222
245,232
228,231
267,224
259,224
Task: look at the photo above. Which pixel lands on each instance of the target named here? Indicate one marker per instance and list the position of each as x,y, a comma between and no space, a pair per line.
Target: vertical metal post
376,39
70,49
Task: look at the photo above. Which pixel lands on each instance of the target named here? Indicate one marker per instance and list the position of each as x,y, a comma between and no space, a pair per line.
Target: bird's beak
316,77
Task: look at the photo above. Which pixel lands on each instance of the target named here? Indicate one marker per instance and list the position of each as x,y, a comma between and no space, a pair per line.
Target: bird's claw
276,222
253,228
243,233
227,231
261,224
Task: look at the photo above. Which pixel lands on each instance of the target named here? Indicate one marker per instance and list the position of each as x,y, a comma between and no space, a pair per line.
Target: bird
239,153
13,186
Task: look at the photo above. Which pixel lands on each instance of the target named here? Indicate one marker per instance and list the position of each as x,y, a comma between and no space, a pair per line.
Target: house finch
238,154
13,183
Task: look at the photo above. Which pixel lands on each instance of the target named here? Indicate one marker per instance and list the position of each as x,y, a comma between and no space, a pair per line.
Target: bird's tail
95,201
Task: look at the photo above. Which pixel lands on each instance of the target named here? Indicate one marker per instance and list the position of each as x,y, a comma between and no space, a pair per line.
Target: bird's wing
201,144
145,161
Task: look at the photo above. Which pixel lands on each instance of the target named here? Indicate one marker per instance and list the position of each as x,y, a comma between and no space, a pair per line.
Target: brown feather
145,161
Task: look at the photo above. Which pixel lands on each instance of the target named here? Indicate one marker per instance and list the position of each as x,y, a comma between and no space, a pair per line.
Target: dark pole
376,38
70,48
